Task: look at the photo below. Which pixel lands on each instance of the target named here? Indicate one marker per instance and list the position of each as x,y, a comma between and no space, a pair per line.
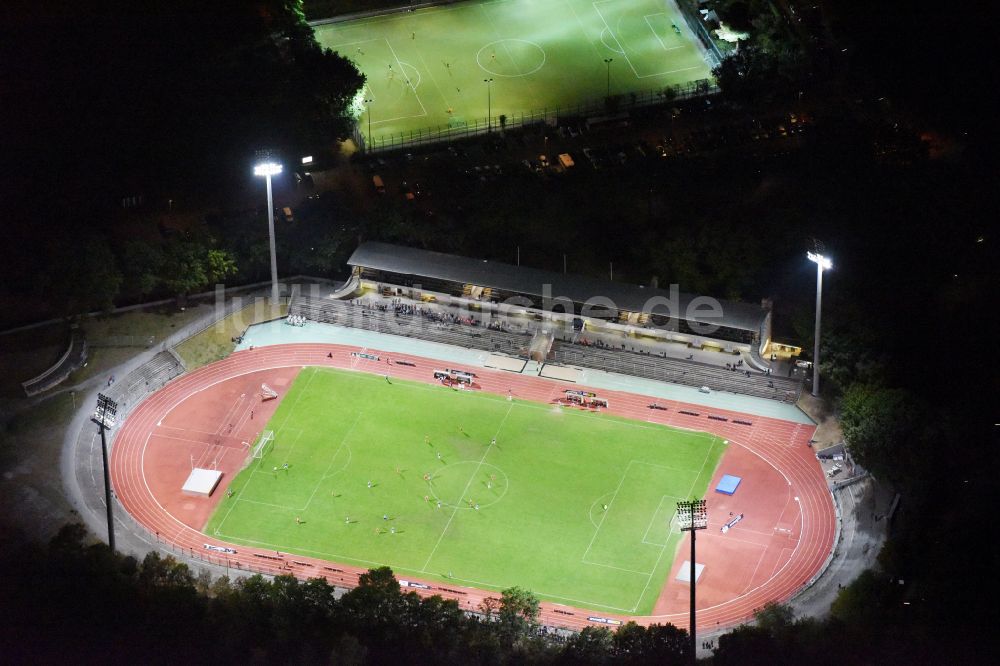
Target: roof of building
543,284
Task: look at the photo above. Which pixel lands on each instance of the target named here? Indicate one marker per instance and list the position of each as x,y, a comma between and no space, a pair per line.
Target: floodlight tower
489,104
104,417
692,516
268,169
368,105
608,61
822,263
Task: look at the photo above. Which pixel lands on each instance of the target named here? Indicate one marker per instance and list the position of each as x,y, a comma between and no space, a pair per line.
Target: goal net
267,393
264,444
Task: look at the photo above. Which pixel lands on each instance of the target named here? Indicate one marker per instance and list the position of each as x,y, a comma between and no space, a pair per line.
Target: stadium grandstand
554,319
672,316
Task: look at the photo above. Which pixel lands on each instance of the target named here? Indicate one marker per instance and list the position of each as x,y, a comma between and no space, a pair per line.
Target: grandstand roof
531,281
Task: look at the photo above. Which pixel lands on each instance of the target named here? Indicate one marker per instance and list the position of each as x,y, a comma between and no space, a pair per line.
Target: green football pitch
577,507
427,68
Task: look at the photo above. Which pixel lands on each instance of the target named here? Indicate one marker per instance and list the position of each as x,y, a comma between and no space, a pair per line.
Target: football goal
264,444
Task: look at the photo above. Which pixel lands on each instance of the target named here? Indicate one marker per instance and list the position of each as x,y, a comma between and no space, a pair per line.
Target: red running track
787,534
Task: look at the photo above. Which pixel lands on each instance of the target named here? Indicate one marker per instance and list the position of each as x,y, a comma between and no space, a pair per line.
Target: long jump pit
209,419
508,363
563,373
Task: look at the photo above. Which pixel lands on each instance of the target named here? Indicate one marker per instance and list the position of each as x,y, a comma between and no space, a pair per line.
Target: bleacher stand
468,330
399,318
148,377
649,365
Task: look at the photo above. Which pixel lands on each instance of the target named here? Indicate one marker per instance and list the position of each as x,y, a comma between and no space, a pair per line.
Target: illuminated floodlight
267,169
307,159
821,261
692,515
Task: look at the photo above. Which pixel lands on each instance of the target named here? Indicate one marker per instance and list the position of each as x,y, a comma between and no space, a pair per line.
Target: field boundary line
672,469
360,41
291,410
611,566
656,566
275,506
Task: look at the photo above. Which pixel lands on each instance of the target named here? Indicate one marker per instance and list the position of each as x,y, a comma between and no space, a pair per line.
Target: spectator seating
148,377
677,371
478,336
434,328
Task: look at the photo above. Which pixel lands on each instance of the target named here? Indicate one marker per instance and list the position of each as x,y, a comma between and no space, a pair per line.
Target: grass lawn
216,341
427,68
26,354
541,489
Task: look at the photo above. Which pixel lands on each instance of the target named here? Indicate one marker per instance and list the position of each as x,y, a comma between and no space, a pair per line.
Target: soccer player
493,441
385,516
369,484
298,521
439,455
605,507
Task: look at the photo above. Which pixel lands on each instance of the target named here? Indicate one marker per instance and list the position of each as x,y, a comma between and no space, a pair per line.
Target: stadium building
589,303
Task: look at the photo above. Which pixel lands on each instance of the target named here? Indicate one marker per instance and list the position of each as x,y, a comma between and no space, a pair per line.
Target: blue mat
728,484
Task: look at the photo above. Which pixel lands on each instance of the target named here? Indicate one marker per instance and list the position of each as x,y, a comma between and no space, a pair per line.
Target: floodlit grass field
540,490
541,54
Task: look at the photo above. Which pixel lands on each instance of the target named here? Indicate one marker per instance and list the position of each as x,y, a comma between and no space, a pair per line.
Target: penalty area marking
607,32
657,35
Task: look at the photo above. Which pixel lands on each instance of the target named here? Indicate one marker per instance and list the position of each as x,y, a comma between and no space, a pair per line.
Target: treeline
80,602
120,113
74,600
97,271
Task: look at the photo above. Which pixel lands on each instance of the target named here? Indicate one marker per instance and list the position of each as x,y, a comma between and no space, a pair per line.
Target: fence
600,106
690,13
